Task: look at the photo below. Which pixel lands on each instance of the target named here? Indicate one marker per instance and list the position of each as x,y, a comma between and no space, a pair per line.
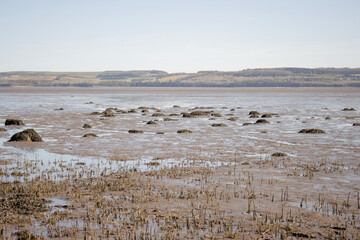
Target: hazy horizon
178,36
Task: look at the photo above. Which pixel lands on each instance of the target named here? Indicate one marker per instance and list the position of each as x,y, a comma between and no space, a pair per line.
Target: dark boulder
219,125
28,135
279,154
14,122
135,131
184,131
312,130
86,125
90,135
261,121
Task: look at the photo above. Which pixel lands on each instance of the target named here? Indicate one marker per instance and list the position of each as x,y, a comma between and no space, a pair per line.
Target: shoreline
21,89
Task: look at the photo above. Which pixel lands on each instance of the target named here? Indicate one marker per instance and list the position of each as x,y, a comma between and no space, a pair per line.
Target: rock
254,116
219,125
135,131
348,109
14,122
246,124
254,113
169,119
59,109
158,114
95,113
174,114
216,115
356,124
87,125
266,115
144,111
312,130
176,106
261,121
233,118
132,111
187,115
2,129
279,154
28,135
151,122
184,131
327,118
160,133
108,113
200,113
90,135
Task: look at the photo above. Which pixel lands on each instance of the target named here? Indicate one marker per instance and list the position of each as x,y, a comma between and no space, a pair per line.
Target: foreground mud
226,176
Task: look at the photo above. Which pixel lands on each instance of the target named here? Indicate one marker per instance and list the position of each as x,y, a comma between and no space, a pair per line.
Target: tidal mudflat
181,163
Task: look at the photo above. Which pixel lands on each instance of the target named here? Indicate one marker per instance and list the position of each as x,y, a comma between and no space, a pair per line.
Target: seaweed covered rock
86,125
279,154
157,114
184,131
348,109
254,113
261,121
108,113
14,122
312,130
135,131
216,114
266,115
233,118
90,135
28,135
219,125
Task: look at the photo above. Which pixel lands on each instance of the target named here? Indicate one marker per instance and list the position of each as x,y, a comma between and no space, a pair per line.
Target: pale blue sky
178,35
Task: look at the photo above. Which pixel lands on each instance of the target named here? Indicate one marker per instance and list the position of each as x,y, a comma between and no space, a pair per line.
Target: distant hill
260,77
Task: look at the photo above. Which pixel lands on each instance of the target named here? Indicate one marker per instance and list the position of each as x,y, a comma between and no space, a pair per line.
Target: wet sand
311,192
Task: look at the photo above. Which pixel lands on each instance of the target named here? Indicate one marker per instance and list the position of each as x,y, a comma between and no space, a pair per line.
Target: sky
177,35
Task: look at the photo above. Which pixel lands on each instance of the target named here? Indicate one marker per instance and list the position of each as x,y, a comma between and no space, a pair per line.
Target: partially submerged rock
28,135
158,114
151,122
176,106
169,119
216,115
356,124
2,129
90,135
312,130
261,121
254,113
86,125
279,154
135,131
246,124
59,109
160,133
108,113
348,109
266,115
327,118
219,125
184,131
14,122
233,118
